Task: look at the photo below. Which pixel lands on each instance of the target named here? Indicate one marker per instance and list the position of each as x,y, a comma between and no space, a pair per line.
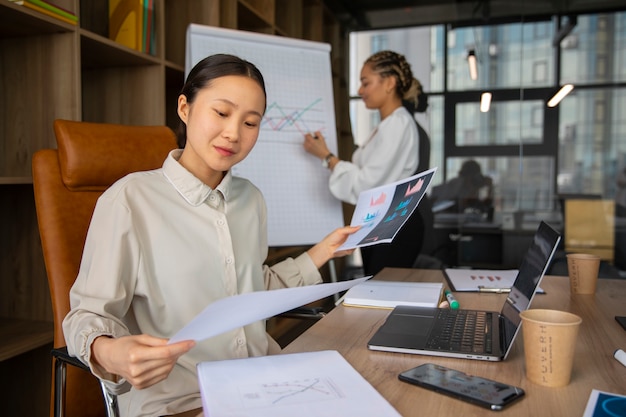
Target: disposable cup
583,272
549,345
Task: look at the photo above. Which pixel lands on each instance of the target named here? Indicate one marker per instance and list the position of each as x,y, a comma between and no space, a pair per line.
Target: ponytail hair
408,88
207,70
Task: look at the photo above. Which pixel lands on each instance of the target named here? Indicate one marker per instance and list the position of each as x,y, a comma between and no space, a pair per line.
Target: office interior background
537,156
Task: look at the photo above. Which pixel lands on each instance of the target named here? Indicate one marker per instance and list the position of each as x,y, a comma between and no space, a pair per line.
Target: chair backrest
424,149
67,183
590,227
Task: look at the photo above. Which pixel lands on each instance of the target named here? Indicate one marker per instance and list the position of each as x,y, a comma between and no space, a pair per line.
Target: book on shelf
48,5
49,9
131,23
148,38
389,294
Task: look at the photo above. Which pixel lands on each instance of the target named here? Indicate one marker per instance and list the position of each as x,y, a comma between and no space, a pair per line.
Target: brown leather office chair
67,182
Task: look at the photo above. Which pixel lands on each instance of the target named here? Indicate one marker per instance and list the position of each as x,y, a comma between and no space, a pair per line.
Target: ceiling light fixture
560,95
485,102
473,64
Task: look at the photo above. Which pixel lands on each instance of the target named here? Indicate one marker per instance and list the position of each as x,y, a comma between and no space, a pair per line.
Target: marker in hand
454,304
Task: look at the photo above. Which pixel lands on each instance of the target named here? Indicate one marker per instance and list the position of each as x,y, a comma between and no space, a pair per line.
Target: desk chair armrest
61,359
61,354
311,313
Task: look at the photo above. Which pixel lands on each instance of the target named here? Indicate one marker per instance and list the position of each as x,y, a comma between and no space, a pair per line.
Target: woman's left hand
326,249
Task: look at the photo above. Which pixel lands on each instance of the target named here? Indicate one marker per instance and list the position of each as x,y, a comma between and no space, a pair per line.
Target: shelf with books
50,9
132,24
16,20
39,85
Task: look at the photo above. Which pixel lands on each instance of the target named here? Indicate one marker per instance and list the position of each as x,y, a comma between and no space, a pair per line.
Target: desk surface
348,329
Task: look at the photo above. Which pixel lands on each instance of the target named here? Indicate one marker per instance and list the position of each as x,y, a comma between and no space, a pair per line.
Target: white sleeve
99,297
391,155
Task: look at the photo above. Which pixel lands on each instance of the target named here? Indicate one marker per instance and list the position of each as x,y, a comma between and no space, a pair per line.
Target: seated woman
164,244
470,192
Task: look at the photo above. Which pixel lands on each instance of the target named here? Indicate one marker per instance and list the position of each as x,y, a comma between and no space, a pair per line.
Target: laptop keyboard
462,331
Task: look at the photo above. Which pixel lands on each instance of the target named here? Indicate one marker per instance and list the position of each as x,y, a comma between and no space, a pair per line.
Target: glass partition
536,156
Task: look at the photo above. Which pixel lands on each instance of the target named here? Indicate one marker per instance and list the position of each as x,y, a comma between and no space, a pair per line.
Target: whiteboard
298,80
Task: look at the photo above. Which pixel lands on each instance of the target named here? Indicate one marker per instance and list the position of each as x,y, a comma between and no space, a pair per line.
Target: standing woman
390,154
164,244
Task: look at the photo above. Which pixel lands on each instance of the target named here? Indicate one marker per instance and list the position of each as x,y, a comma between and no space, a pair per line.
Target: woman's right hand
142,360
315,144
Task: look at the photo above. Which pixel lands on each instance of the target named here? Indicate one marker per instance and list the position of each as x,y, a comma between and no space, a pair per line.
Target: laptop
444,332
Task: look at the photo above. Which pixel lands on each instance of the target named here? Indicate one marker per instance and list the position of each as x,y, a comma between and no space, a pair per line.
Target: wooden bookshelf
21,336
52,69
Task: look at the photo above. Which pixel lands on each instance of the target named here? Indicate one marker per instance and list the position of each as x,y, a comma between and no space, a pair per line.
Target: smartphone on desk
476,390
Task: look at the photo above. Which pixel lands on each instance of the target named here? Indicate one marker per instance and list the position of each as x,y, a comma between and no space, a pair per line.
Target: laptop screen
533,267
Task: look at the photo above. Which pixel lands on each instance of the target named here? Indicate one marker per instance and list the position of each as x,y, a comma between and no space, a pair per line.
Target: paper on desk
483,280
308,384
382,211
239,310
473,279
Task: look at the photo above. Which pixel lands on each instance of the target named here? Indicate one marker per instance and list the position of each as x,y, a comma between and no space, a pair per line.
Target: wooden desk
348,329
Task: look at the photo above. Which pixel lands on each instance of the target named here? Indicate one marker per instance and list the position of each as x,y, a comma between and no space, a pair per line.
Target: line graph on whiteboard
289,123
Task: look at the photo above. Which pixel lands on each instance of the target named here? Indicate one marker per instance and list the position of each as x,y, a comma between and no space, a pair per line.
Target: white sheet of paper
306,384
473,279
243,309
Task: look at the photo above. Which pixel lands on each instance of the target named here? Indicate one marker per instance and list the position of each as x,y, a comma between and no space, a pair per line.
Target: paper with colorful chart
382,211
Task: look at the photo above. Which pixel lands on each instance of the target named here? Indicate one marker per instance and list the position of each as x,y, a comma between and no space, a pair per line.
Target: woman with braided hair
390,154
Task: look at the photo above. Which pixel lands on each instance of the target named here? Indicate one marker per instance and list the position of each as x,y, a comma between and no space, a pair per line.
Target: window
532,152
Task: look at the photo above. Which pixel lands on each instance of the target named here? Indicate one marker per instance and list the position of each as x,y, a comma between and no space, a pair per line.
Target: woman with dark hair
164,244
391,153
469,191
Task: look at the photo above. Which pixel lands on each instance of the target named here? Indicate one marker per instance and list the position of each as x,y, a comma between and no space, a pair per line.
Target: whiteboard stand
333,276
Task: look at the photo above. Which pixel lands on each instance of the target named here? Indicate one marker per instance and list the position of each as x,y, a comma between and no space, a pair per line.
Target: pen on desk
454,304
340,299
620,355
482,288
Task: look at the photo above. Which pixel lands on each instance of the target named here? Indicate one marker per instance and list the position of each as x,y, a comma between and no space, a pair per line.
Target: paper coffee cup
549,345
583,272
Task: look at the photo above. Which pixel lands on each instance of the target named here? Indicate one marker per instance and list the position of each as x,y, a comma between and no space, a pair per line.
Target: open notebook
486,335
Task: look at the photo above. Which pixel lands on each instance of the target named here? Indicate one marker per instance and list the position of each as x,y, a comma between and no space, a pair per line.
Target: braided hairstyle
408,88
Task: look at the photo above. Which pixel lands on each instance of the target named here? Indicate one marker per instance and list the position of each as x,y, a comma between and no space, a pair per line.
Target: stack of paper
310,384
389,294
